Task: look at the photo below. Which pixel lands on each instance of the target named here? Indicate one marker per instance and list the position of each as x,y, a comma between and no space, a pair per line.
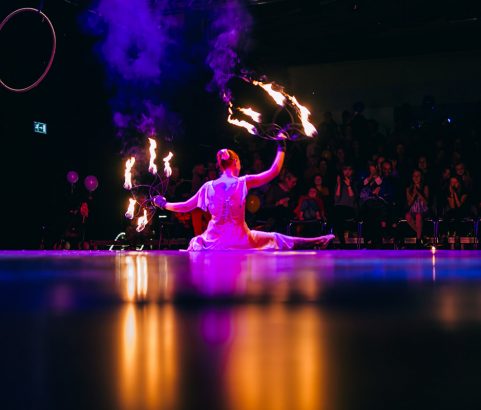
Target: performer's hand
159,201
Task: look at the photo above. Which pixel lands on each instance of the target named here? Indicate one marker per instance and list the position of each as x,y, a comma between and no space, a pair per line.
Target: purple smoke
232,25
133,40
141,44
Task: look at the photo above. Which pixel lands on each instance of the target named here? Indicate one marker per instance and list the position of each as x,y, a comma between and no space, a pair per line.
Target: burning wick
130,212
142,222
277,96
248,126
128,175
153,155
304,114
167,168
251,113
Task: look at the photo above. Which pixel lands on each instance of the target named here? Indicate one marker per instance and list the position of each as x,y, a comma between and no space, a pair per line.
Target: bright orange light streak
304,114
247,125
128,175
131,210
277,96
167,168
142,222
251,113
153,155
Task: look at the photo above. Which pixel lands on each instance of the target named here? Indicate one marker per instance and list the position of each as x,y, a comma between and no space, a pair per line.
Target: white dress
227,228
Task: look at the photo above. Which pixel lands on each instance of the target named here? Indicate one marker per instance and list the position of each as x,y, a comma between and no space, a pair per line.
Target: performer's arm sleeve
254,181
186,206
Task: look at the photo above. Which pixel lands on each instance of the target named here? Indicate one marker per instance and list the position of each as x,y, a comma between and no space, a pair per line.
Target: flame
130,212
153,155
251,113
128,175
277,96
247,125
304,114
142,222
167,168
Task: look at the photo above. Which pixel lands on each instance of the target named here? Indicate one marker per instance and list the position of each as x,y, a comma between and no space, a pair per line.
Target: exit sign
39,127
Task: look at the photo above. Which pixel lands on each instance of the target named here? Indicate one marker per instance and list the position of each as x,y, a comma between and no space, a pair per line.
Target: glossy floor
240,330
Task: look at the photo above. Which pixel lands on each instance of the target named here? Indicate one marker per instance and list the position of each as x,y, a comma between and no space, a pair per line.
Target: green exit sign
39,127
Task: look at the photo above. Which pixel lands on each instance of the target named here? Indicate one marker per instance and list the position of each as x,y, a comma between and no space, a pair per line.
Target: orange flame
128,175
153,155
142,222
167,168
304,114
248,126
251,113
277,96
130,212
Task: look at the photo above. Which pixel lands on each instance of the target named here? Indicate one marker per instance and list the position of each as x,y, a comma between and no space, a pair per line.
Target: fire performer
225,199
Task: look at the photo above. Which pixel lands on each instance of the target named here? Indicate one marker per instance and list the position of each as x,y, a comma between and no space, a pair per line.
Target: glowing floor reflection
240,330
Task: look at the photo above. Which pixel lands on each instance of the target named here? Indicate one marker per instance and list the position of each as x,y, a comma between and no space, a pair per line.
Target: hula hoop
54,47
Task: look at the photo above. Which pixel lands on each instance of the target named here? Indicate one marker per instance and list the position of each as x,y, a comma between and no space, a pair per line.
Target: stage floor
240,330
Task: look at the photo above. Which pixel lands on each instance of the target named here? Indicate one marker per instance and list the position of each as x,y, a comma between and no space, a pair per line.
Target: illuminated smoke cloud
133,41
231,26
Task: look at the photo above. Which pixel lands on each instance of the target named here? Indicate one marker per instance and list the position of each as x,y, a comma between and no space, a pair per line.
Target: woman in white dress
225,199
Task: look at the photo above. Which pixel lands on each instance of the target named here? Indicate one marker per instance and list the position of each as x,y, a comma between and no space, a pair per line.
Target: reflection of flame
142,222
304,114
142,279
251,113
153,155
167,168
277,96
131,210
248,126
128,175
300,342
147,366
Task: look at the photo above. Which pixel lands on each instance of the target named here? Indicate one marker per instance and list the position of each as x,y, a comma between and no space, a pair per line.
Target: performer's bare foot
324,240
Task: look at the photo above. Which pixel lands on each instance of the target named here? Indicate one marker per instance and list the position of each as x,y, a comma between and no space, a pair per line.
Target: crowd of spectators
425,167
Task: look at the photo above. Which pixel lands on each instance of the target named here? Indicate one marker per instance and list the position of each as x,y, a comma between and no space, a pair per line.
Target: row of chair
356,235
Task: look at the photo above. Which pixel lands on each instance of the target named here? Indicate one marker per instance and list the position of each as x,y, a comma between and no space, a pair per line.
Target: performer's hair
225,158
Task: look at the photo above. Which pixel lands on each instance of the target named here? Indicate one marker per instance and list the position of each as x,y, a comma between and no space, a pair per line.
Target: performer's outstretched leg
299,242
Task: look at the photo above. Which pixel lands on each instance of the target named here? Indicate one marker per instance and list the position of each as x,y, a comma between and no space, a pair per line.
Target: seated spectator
345,202
464,176
417,197
373,206
322,190
279,202
457,207
310,206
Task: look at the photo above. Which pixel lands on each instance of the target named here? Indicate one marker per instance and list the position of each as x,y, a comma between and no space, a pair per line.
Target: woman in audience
417,197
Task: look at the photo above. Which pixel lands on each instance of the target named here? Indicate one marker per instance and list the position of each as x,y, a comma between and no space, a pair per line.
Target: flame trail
248,126
251,113
153,155
142,222
128,175
277,96
131,210
304,114
167,168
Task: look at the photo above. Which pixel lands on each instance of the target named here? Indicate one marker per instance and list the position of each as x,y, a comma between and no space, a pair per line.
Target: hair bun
224,154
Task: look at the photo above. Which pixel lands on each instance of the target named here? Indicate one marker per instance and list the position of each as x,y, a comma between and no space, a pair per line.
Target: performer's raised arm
185,206
263,178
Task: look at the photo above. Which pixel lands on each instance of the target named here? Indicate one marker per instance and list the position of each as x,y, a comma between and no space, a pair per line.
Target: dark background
74,97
